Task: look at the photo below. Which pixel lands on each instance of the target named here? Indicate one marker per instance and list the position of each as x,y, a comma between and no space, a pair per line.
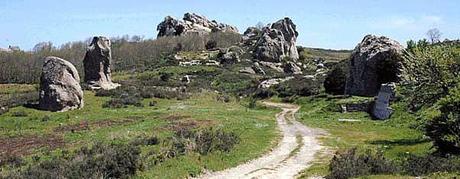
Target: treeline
128,53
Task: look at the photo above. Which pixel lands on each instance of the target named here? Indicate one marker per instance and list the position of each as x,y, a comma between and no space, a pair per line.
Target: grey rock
381,109
97,63
230,55
60,88
277,42
258,69
374,61
191,24
251,36
247,70
291,68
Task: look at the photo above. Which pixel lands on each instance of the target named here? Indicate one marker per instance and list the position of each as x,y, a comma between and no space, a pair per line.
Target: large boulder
191,24
277,42
97,64
376,60
59,86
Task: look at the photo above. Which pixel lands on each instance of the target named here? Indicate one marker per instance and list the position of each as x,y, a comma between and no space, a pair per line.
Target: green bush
99,161
203,141
444,129
19,114
299,86
335,81
350,164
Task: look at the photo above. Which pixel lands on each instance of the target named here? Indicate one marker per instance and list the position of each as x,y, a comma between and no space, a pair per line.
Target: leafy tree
430,72
444,129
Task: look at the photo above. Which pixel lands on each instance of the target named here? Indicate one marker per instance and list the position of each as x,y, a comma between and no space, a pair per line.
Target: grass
394,137
256,128
16,88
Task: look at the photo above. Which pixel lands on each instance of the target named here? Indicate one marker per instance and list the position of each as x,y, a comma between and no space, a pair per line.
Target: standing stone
381,109
376,60
60,88
97,64
278,41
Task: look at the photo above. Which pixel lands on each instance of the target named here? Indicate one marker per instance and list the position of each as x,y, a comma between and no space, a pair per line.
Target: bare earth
294,153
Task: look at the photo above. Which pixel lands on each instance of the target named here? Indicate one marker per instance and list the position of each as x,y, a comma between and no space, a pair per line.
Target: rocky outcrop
381,109
277,42
376,60
251,36
59,86
191,24
97,64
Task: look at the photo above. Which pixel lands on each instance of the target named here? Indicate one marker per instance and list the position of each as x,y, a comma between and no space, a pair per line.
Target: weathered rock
60,88
191,24
247,70
277,42
258,69
376,60
291,68
381,109
251,35
270,82
229,56
97,64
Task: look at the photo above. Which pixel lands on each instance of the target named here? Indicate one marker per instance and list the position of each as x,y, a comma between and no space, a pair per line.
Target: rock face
191,24
278,41
251,36
59,86
376,60
97,64
381,109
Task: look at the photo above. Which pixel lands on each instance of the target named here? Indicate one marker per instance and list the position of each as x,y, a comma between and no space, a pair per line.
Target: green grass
256,127
394,136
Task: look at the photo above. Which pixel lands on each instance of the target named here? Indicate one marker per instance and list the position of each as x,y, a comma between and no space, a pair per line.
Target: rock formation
251,36
277,42
97,64
59,86
381,109
376,60
191,24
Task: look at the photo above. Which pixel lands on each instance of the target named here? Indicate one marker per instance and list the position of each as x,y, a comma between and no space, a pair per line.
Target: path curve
294,153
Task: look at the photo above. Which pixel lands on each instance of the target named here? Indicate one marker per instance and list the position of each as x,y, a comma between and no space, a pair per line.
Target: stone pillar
97,64
381,109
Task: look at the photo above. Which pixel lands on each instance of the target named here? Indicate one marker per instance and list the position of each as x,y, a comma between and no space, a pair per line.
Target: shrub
444,129
19,114
424,165
203,141
300,86
212,44
152,140
335,81
350,164
99,161
153,103
123,101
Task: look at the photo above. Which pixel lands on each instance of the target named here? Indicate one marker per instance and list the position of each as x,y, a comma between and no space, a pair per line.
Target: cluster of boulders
191,24
60,88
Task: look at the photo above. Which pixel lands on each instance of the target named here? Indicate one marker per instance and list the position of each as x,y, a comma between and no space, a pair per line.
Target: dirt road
294,153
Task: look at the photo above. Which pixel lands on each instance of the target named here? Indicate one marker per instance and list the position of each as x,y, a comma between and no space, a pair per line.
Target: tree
430,71
444,129
434,35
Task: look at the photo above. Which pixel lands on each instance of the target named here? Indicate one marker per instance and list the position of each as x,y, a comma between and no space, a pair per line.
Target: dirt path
294,153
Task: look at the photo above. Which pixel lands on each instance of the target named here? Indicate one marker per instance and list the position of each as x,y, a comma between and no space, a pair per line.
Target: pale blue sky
336,24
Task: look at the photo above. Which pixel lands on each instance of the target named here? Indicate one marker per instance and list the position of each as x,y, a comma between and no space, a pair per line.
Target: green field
394,137
33,133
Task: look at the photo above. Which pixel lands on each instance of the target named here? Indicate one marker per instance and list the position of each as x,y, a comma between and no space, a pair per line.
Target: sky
332,24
